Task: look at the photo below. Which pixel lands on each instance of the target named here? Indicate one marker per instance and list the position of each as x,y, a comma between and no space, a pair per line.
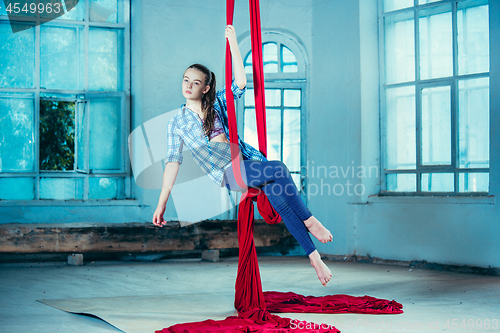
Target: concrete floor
432,300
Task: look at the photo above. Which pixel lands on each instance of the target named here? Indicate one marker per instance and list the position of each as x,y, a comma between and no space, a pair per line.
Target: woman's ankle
310,221
315,256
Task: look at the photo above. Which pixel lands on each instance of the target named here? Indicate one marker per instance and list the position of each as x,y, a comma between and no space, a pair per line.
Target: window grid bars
35,96
36,136
419,85
454,98
282,108
418,97
415,7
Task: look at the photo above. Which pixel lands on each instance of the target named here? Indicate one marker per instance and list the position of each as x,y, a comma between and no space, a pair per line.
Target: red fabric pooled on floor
258,321
294,303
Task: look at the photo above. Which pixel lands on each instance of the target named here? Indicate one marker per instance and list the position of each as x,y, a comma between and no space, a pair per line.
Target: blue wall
340,40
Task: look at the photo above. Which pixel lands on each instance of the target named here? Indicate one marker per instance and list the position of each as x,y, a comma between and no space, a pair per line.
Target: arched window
277,58
285,84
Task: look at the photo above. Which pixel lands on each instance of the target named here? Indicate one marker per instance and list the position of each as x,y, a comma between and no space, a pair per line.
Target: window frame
418,84
283,80
77,96
281,85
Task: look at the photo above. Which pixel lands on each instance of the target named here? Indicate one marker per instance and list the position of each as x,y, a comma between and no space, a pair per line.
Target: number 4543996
472,324
16,8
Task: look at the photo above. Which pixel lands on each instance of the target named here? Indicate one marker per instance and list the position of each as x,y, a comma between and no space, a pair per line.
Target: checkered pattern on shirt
186,128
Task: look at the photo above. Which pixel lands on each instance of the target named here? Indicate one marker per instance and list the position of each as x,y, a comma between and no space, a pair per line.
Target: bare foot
322,270
318,230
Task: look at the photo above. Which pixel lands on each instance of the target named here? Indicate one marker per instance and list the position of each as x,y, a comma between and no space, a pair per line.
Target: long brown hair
208,99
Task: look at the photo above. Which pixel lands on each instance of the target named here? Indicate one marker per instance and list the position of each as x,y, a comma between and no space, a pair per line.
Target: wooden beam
133,237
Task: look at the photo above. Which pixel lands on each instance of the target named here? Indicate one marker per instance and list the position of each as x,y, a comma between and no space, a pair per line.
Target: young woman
201,124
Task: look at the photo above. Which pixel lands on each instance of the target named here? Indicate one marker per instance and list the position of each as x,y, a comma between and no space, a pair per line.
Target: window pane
250,128
273,97
105,128
403,182
399,48
81,137
291,139
474,123
436,49
270,56
106,188
437,182
473,38
61,58
249,98
273,122
61,188
288,61
16,137
390,5
55,95
423,2
436,126
103,11
400,128
57,135
292,97
17,188
473,182
296,180
17,56
73,12
105,59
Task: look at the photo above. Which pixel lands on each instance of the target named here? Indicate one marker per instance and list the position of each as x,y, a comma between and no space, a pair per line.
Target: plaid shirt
186,128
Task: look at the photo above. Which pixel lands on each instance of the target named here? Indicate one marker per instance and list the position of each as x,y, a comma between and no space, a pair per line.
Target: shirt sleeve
174,144
237,92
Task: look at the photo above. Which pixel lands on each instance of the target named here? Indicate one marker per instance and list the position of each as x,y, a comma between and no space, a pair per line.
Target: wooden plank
133,237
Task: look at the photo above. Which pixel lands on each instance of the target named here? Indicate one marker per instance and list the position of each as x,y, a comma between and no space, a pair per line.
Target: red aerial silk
295,303
254,307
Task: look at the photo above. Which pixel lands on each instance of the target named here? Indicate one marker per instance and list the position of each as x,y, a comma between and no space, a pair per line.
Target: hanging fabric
250,301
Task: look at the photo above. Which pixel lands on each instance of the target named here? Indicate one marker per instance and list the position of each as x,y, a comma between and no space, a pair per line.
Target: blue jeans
274,178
